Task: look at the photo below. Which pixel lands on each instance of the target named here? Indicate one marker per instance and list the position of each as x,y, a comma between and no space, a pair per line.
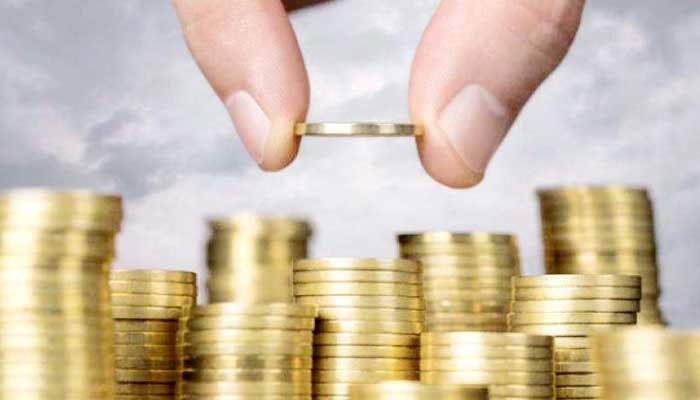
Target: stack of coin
56,250
150,309
370,318
466,278
250,258
570,307
646,363
250,351
513,365
602,230
411,390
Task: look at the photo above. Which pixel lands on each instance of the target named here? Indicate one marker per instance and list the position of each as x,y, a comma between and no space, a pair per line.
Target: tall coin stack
56,250
602,230
410,390
570,307
250,351
150,310
647,363
369,320
513,365
250,258
466,278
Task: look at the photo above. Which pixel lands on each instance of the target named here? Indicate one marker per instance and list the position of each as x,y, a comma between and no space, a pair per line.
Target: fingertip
281,148
442,163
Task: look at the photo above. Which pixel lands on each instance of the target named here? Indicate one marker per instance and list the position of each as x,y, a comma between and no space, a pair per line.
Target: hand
477,64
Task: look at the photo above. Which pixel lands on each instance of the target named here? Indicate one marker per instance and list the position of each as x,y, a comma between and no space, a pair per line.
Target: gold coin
494,378
565,329
484,339
479,352
569,293
578,392
248,375
362,302
354,129
144,338
474,238
337,390
369,339
556,280
149,275
477,283
566,355
477,318
272,309
474,364
356,264
573,318
466,306
459,249
136,325
144,375
251,224
122,350
521,391
598,305
361,376
196,389
578,379
501,295
573,367
337,326
408,390
460,327
358,351
390,364
253,361
153,287
250,322
571,342
249,335
142,397
277,349
356,276
145,388
376,289
372,314
158,300
143,312
146,363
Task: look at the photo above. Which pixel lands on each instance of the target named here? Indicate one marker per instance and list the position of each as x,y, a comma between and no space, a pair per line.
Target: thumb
249,54
476,66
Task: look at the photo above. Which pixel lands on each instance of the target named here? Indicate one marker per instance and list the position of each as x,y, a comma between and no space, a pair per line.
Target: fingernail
251,122
475,122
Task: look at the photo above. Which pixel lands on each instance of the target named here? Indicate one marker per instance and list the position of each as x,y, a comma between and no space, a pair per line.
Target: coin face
357,129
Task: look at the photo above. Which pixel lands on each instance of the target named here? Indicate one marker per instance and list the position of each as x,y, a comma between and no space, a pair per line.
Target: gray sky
104,95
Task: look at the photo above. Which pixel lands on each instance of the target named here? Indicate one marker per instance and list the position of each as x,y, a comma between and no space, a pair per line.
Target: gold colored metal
355,129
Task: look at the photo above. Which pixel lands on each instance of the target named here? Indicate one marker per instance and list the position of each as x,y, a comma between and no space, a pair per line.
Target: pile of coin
570,307
513,365
370,315
250,351
411,390
150,310
466,278
647,363
250,258
56,250
602,230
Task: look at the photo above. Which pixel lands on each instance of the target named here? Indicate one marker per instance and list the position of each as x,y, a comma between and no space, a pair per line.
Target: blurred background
104,95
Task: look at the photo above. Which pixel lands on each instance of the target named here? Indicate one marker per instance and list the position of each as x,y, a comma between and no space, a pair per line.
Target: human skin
476,66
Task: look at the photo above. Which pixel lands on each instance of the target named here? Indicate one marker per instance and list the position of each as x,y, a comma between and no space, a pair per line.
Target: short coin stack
513,365
411,390
250,258
570,307
647,363
56,250
370,318
250,351
602,230
150,309
466,278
